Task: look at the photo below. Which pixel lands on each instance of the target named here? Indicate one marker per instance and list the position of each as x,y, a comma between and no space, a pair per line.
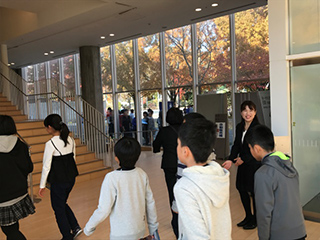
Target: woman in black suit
167,138
247,165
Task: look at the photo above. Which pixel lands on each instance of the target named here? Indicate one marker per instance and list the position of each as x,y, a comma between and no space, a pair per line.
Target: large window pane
149,62
125,71
252,44
150,100
109,113
181,98
30,79
214,51
69,75
55,75
304,26
106,69
178,57
42,81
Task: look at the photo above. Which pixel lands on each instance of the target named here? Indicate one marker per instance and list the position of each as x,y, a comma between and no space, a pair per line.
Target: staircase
35,134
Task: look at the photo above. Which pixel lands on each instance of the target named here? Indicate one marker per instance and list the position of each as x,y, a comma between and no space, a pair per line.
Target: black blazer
167,138
242,149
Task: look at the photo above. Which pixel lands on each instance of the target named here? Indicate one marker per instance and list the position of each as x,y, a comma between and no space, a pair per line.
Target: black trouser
12,232
171,178
246,202
65,218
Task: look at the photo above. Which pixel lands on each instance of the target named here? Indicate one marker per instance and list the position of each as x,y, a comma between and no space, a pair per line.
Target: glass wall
178,57
213,55
106,70
175,67
305,101
252,49
304,26
149,62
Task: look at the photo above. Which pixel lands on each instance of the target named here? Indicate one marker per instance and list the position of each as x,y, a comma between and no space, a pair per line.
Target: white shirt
50,151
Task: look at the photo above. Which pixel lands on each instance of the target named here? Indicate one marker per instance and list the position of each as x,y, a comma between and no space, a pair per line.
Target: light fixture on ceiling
9,64
198,9
214,4
111,34
12,63
46,54
103,37
52,52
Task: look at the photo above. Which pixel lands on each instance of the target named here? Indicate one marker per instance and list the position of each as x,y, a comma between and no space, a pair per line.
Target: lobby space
84,199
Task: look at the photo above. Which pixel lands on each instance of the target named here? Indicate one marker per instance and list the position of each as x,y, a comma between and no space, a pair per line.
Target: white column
137,93
194,65
163,78
279,67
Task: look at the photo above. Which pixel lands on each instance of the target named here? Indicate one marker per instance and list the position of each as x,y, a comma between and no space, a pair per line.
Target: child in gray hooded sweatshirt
276,187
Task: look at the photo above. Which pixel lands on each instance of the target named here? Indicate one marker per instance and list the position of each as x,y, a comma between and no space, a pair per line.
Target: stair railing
89,127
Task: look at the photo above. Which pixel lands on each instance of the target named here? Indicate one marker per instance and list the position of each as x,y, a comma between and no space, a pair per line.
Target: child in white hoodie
202,194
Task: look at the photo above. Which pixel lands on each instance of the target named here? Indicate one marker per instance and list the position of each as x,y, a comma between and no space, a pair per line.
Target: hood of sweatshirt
280,162
7,143
213,180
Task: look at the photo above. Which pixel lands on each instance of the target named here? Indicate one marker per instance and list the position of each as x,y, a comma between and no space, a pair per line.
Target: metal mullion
163,78
48,79
233,67
137,88
195,81
114,88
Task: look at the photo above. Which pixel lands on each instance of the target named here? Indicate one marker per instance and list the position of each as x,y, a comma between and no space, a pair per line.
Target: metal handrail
91,133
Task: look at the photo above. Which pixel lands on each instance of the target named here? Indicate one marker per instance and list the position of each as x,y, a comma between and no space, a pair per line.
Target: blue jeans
65,218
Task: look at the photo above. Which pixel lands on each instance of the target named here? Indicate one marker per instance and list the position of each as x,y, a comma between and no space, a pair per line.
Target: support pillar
91,76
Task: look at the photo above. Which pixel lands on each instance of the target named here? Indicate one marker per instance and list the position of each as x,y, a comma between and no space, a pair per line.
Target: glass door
305,100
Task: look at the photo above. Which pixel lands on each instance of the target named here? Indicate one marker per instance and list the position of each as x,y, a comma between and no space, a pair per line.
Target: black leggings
246,202
12,232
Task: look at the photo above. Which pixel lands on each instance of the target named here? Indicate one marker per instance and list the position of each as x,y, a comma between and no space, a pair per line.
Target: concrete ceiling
31,27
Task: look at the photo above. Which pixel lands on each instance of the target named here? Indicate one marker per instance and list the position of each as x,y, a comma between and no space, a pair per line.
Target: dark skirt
11,214
245,177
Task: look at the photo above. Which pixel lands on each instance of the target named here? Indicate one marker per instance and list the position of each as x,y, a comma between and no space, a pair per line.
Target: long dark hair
55,121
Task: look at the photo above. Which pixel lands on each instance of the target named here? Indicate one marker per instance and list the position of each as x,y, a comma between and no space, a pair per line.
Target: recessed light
12,64
9,65
198,9
111,34
214,4
52,52
46,54
103,37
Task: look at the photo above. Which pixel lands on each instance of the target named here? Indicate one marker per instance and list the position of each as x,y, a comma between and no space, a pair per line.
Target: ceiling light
46,54
103,37
9,65
214,4
198,9
51,52
111,34
12,64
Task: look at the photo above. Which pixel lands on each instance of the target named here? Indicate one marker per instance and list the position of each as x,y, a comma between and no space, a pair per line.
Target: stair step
10,112
8,108
90,165
2,98
37,139
39,147
30,124
20,117
32,132
5,103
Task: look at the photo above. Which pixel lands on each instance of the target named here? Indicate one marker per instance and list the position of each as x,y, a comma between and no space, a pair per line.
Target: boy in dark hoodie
276,187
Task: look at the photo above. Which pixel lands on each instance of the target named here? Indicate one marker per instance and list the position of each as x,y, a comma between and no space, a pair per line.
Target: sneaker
77,232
